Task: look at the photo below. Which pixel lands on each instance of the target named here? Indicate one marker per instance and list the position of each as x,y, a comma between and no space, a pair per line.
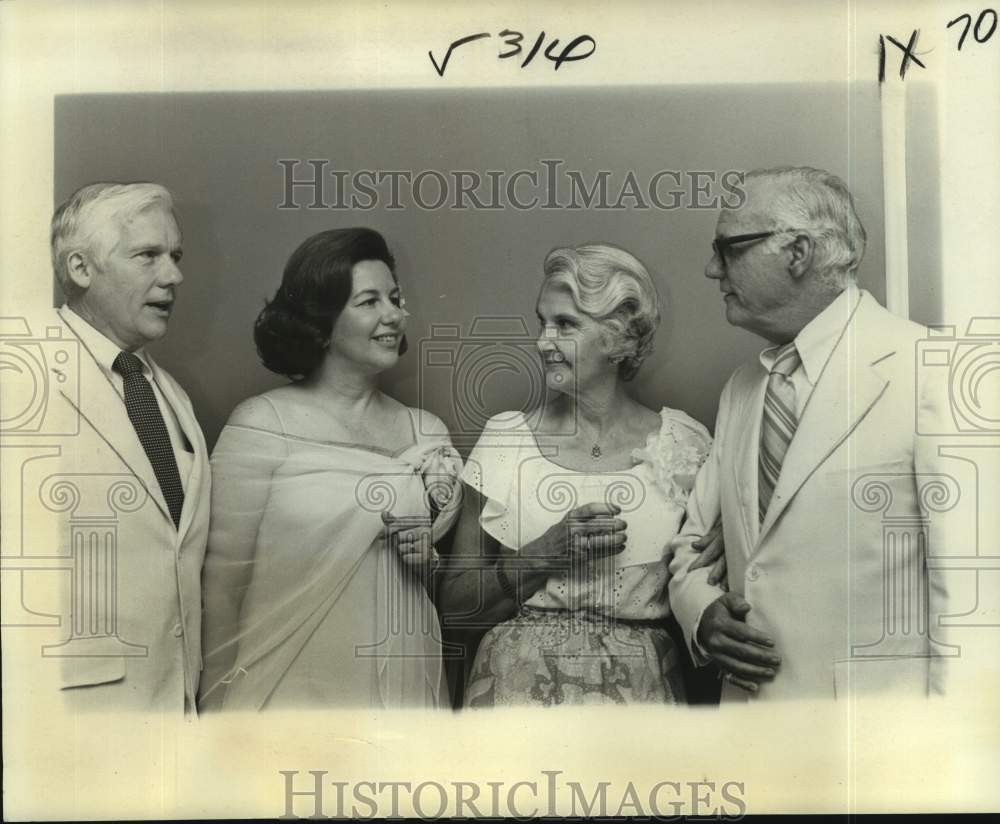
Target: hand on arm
713,555
692,585
745,655
691,590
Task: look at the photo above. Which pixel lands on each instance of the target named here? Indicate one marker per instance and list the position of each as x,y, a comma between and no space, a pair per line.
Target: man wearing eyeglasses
815,440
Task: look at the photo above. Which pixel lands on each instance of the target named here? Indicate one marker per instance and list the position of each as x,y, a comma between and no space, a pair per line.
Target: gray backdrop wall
218,154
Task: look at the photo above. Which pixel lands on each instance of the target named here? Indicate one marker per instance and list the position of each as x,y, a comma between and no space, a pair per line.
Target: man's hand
713,553
746,655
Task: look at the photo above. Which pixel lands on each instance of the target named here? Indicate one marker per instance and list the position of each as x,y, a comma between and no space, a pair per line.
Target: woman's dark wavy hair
292,331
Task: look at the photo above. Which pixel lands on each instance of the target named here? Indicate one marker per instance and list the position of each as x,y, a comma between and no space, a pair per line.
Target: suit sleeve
690,592
949,507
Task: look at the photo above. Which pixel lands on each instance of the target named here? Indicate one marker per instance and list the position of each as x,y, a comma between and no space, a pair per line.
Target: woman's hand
584,534
411,538
713,553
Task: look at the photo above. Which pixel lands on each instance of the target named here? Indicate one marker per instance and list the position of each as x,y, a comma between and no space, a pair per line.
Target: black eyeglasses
721,245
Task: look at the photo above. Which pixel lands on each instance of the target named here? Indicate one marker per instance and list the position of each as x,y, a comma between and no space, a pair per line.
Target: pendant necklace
595,451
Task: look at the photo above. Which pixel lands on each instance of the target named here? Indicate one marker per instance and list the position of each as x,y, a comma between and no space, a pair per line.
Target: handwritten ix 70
579,48
982,31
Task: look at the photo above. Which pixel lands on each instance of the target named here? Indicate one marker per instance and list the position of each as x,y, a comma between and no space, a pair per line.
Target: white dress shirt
104,352
815,344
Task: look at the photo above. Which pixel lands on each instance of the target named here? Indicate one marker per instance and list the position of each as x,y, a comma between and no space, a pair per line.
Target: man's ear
801,251
79,269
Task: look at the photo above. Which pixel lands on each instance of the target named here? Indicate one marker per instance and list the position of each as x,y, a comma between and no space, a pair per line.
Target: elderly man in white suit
812,438
133,611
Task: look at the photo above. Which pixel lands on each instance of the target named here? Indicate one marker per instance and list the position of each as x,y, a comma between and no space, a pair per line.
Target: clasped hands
583,534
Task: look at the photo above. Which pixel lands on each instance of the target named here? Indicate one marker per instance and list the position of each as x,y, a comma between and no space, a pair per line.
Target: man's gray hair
92,217
819,201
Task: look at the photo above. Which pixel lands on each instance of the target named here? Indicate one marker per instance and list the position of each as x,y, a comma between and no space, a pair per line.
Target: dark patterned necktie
778,424
144,412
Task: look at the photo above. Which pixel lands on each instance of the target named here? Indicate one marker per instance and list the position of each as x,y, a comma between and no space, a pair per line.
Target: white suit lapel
847,389
192,431
745,465
103,408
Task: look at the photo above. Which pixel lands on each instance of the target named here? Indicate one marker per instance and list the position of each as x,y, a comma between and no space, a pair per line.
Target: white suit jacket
837,573
132,607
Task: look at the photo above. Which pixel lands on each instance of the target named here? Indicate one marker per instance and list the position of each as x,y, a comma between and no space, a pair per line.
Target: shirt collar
103,349
817,338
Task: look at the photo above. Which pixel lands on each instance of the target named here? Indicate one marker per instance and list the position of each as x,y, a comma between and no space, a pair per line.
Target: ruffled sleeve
675,453
491,469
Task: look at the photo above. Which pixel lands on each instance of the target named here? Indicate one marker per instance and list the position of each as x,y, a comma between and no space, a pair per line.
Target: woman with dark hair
328,498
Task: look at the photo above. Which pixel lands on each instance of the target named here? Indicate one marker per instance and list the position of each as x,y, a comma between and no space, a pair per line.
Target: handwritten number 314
571,52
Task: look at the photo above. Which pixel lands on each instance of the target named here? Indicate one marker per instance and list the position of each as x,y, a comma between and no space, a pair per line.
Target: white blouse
526,493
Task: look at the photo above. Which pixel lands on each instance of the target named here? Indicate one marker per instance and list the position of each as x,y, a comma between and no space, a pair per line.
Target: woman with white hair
570,507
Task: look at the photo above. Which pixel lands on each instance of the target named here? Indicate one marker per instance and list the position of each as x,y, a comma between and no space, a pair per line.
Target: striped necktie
778,424
147,420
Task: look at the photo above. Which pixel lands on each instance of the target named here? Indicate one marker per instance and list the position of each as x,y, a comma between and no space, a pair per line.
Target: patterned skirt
551,656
